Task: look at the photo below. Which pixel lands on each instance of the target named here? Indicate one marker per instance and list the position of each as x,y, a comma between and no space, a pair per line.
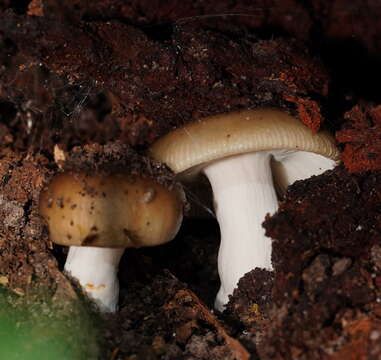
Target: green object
37,331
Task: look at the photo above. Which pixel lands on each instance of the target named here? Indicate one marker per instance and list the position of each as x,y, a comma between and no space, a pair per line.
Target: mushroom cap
216,137
110,210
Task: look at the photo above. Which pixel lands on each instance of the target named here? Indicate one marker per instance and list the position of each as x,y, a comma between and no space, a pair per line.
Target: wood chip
186,296
59,156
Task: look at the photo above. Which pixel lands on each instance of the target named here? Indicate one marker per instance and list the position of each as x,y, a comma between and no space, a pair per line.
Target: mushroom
99,216
235,151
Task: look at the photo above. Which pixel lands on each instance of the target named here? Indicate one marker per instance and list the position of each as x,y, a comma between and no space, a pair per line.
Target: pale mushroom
235,151
99,216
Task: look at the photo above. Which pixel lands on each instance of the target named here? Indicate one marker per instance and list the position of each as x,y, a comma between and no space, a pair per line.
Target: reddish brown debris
159,85
361,135
35,8
308,111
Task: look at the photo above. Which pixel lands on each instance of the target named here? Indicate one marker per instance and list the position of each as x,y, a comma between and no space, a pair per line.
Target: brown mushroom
99,216
235,152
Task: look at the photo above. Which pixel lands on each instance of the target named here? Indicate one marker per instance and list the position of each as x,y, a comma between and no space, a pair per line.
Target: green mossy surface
39,330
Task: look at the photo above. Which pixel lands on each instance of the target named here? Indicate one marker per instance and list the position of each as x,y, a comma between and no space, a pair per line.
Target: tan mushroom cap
110,211
229,134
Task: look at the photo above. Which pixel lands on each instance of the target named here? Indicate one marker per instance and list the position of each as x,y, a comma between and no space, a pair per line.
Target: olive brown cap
110,211
224,135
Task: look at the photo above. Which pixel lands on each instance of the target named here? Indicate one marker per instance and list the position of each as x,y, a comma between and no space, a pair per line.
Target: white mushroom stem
243,193
96,269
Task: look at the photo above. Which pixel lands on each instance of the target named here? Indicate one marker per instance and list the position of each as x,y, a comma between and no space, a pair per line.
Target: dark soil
204,71
91,86
325,255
